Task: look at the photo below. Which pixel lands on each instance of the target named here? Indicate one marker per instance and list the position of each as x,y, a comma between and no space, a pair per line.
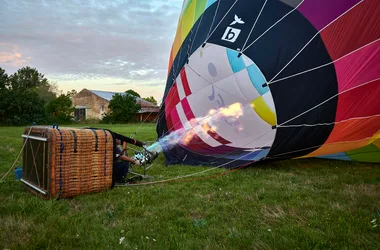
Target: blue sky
97,44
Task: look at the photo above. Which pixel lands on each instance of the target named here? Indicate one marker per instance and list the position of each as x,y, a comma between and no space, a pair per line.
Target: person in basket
123,162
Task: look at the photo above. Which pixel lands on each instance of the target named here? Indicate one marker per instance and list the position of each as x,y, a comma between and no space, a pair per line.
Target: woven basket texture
79,160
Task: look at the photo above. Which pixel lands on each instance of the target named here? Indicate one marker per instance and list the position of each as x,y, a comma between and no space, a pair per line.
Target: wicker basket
66,162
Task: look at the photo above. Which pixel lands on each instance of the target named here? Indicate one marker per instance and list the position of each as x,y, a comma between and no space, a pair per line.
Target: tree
132,92
71,93
122,108
22,107
26,78
61,108
3,79
47,91
21,100
151,100
4,84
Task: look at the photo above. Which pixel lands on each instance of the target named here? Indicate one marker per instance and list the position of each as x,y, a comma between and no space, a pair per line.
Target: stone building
93,104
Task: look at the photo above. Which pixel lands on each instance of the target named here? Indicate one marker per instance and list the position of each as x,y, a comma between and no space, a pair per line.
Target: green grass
292,204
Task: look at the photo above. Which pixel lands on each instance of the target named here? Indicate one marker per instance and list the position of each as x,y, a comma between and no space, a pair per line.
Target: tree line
27,96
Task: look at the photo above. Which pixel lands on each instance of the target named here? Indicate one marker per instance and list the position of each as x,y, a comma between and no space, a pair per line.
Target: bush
60,109
122,109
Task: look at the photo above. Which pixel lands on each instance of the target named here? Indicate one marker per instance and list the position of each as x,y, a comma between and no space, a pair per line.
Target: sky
95,44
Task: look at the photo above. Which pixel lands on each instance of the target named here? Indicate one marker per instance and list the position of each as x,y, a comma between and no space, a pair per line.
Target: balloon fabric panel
303,89
322,12
357,28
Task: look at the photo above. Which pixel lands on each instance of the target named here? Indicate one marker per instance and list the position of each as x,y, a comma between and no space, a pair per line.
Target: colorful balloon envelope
252,80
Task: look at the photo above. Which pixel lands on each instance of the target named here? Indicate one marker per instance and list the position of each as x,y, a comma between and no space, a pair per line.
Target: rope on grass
14,163
181,178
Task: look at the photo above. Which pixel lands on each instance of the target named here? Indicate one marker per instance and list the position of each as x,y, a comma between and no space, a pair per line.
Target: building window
102,108
80,114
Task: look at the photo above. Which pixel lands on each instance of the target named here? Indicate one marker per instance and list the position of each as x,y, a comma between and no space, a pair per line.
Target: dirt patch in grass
300,219
197,215
207,196
357,190
259,245
75,207
7,148
272,213
18,231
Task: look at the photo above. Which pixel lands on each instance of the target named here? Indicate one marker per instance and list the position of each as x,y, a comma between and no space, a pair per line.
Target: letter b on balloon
231,34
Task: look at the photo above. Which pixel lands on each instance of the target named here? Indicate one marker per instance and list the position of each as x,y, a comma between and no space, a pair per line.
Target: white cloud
78,40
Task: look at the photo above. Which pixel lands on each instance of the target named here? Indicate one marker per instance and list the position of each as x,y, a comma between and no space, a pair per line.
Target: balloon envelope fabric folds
273,79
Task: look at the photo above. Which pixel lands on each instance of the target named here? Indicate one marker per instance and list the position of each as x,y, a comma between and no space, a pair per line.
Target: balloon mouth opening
207,126
220,104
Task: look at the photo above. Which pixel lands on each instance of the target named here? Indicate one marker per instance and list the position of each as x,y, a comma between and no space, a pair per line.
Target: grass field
292,204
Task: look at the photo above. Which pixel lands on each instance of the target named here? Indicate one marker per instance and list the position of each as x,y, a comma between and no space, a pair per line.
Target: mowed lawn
291,204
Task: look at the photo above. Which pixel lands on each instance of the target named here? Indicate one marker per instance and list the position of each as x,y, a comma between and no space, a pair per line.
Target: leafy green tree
4,84
132,92
21,101
71,93
47,91
122,109
61,108
22,107
151,100
26,78
3,79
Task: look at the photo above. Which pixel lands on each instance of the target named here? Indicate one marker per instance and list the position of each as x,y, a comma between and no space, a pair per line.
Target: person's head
118,142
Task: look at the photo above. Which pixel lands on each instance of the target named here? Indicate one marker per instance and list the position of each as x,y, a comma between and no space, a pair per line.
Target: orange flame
188,136
234,111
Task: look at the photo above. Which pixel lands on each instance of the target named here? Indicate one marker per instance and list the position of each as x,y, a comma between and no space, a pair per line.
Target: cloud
154,84
10,55
13,59
117,83
76,39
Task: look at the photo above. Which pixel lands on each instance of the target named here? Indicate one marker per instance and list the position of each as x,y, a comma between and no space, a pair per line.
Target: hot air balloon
273,79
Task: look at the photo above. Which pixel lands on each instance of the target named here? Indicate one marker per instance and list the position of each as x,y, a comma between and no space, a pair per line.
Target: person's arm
126,158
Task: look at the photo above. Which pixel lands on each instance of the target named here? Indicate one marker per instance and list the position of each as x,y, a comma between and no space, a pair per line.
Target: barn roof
107,95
